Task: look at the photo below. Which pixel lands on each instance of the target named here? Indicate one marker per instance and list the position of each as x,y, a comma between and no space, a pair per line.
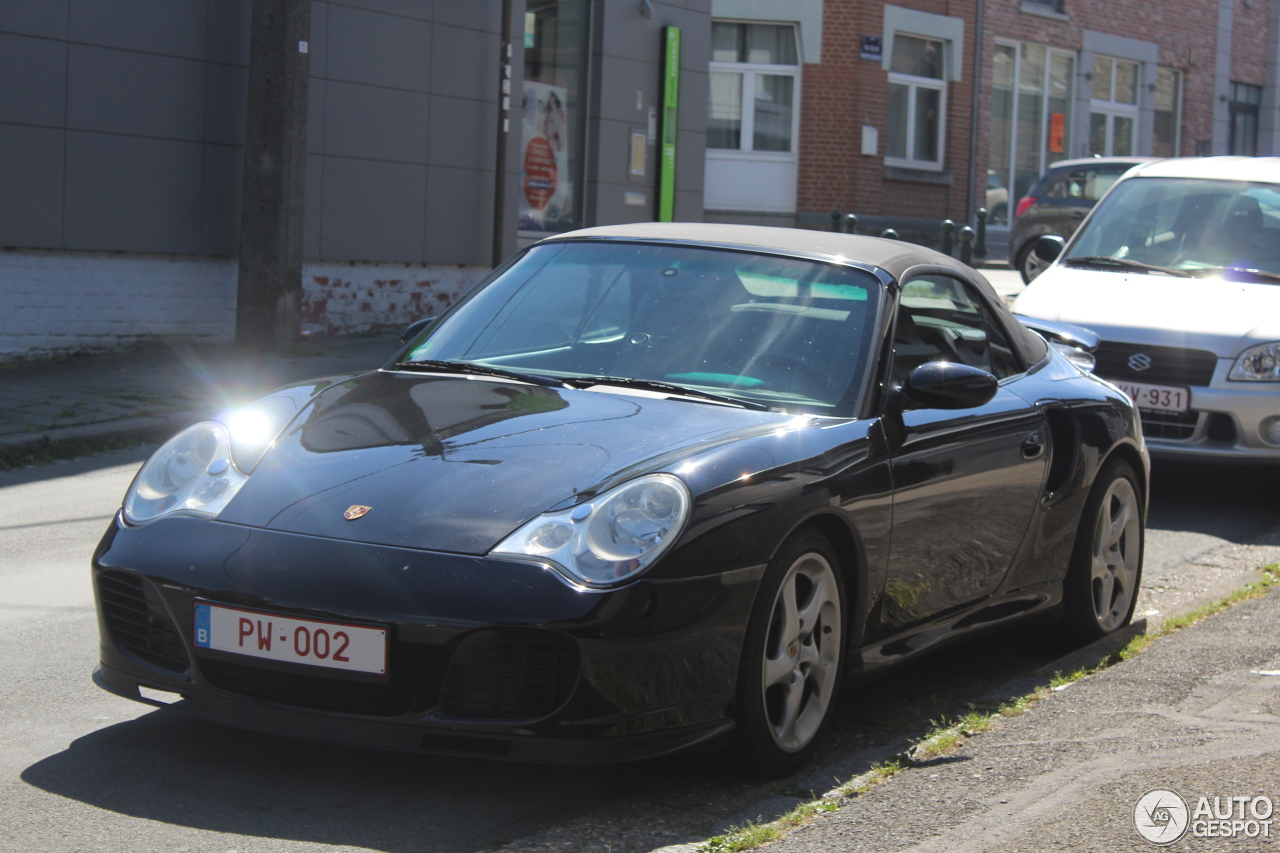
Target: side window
940,320
1091,184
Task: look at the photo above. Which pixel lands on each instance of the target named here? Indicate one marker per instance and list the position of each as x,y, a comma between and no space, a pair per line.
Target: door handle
1032,446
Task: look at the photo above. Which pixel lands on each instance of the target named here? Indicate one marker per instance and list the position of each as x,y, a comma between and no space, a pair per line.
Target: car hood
1222,316
455,464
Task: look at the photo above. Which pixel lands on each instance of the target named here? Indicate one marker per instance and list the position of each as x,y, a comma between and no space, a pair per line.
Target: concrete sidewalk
154,390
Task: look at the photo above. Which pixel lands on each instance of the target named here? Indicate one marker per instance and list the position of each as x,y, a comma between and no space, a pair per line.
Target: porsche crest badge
355,511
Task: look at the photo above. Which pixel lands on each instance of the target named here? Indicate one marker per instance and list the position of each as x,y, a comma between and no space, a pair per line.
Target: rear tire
792,658
1101,588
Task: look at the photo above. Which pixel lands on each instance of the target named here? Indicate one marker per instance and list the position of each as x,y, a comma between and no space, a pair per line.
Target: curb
158,427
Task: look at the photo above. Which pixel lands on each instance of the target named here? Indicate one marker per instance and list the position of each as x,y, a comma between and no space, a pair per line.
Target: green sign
670,112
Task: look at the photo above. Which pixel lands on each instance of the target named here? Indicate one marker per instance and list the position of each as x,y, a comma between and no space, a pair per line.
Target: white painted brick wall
53,302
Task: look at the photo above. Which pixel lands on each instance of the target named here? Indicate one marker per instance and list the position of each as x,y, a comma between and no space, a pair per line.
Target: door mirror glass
1048,248
411,331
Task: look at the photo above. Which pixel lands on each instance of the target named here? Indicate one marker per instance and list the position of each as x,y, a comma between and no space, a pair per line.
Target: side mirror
1048,247
945,385
411,331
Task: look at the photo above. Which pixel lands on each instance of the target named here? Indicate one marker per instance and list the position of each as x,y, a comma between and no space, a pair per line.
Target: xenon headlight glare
1258,364
192,473
255,427
610,538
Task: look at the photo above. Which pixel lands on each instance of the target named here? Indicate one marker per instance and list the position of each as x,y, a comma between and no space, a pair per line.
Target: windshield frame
854,404
1128,180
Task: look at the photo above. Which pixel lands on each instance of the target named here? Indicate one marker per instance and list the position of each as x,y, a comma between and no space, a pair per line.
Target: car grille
316,692
1168,365
138,622
511,673
1178,426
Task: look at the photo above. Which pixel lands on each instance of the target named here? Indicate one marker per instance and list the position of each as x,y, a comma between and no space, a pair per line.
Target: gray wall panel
171,27
632,37
375,123
31,186
691,151
124,92
33,80
381,50
474,16
318,58
693,101
312,210
463,133
464,63
620,80
220,199
227,31
46,18
372,211
459,216
226,98
420,9
125,193
317,101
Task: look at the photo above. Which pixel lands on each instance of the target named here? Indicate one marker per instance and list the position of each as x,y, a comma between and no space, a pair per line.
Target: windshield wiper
1270,277
669,387
1124,263
479,370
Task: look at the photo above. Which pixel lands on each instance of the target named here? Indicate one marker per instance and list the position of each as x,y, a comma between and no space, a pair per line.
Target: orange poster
1057,129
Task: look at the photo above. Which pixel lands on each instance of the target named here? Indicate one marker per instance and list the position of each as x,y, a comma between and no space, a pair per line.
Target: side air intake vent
510,673
138,621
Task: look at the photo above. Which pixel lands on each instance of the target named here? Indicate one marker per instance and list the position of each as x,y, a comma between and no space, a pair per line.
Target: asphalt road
83,770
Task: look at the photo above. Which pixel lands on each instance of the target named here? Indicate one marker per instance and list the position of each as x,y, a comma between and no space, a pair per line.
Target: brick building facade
1052,80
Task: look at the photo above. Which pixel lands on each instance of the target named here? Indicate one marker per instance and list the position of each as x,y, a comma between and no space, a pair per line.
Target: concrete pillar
269,289
1269,115
1222,77
1083,106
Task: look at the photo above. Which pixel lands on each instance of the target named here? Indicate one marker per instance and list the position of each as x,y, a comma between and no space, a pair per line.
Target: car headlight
192,473
1258,364
255,427
610,538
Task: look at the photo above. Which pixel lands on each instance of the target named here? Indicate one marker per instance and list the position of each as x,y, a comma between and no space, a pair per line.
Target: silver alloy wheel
802,652
1032,266
1117,548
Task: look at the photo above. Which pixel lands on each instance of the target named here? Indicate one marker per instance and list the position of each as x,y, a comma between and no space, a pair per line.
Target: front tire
1029,266
792,658
1101,588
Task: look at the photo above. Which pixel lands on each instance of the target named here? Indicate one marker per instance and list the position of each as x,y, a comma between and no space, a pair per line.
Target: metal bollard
980,245
836,216
850,224
889,234
966,245
948,228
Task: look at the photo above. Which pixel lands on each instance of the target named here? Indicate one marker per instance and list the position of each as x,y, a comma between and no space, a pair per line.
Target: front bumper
653,664
1226,423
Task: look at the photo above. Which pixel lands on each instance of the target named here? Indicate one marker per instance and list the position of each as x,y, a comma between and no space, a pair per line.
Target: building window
1049,5
752,117
1030,120
1113,114
1243,112
754,71
917,103
1168,113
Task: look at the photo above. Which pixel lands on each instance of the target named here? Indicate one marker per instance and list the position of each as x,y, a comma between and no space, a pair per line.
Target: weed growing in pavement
755,833
49,452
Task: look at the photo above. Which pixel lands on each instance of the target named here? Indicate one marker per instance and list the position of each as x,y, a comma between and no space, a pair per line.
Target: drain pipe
973,113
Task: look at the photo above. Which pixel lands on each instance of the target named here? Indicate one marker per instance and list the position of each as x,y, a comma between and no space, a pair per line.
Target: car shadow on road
169,768
1235,503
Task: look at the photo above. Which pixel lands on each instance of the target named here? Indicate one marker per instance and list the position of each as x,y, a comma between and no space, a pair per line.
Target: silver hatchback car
1178,270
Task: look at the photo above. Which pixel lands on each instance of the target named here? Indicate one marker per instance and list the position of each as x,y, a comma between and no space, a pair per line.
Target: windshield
788,333
1186,224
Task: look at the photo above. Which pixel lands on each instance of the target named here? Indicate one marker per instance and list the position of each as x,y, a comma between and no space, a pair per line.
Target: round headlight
610,538
191,472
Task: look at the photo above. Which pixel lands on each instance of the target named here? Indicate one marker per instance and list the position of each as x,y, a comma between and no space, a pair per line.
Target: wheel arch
852,557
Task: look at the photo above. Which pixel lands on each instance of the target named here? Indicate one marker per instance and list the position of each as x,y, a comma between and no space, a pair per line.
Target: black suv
1058,202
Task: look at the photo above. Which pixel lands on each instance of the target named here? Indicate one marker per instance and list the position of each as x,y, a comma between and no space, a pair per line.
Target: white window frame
914,84
1069,118
1113,109
749,72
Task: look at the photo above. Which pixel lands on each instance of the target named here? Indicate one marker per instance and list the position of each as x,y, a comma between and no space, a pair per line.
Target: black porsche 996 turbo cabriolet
647,487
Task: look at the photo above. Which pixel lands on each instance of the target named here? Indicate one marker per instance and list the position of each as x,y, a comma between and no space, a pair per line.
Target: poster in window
546,192
1057,129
